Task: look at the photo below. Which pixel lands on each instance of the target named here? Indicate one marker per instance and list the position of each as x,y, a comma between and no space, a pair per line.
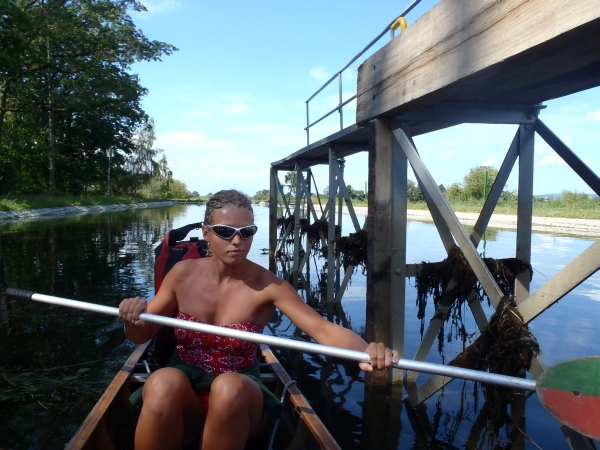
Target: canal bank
579,227
64,211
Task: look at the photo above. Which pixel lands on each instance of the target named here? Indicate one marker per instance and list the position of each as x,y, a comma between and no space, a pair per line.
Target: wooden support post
398,226
524,209
378,303
340,182
297,213
331,227
308,242
273,191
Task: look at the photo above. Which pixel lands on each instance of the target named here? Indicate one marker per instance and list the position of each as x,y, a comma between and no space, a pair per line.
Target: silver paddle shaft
308,347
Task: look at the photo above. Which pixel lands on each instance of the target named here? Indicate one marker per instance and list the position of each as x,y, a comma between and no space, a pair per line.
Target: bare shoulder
183,269
264,278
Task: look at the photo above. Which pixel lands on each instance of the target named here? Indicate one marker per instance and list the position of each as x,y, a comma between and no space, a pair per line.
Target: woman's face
234,250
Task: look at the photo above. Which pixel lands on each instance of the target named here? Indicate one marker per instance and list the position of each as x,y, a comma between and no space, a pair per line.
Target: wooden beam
379,220
273,191
493,51
524,209
398,231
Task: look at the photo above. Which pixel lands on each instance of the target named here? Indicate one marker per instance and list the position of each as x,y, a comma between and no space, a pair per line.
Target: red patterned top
216,354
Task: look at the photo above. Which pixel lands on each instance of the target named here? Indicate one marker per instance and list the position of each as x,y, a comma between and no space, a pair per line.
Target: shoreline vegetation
26,202
557,207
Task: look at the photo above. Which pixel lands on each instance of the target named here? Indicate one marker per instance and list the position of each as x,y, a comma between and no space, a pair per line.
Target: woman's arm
324,332
164,303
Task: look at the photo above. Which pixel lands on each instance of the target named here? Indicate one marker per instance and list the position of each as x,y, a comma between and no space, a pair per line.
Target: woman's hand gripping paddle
570,391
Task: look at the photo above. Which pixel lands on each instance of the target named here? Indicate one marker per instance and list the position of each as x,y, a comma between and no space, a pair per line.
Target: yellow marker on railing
399,23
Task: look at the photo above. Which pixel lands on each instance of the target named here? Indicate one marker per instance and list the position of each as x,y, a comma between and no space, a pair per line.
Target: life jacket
174,249
170,251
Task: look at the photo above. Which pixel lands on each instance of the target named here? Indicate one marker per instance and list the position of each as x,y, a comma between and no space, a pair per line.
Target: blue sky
232,99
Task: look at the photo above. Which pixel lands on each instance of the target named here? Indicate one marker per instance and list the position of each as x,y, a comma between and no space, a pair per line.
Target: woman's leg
171,413
235,414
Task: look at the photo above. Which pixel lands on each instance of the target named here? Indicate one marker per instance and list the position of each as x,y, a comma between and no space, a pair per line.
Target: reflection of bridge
469,61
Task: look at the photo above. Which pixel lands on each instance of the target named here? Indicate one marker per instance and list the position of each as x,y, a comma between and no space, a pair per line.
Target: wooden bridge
464,61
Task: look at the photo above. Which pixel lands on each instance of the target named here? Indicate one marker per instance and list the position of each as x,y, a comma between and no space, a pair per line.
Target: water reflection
55,362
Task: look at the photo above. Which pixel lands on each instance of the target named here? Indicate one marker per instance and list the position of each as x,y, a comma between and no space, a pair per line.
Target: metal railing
391,27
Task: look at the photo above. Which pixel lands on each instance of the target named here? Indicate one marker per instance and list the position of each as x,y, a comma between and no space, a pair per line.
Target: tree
290,178
474,183
262,195
355,194
158,187
66,90
414,192
141,161
455,192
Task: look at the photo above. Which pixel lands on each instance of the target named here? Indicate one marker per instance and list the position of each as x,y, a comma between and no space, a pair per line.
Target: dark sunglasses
226,232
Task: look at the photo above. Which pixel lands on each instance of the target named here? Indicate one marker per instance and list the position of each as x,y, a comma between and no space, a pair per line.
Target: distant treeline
69,104
470,194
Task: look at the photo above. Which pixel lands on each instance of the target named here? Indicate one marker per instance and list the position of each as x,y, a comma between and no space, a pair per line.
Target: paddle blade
570,391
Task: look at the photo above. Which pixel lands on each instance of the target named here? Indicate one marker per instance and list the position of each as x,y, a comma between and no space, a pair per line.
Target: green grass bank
24,202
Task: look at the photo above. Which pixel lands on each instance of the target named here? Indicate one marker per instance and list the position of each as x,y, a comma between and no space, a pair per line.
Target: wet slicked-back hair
223,198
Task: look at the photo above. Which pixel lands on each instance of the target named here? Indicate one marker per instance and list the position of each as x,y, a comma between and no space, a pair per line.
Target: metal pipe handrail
338,74
330,112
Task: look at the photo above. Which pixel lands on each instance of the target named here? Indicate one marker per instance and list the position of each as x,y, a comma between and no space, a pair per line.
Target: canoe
111,422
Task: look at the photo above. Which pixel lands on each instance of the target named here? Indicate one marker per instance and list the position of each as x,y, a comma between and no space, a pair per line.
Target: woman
227,290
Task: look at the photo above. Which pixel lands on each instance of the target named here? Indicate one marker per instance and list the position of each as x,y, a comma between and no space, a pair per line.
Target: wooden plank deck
484,51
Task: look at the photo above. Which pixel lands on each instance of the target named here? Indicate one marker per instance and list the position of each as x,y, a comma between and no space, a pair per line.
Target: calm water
55,362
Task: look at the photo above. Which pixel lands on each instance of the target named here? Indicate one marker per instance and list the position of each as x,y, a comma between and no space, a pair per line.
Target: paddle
570,390
308,347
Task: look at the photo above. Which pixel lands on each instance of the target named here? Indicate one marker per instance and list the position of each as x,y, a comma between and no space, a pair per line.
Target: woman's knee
166,387
234,392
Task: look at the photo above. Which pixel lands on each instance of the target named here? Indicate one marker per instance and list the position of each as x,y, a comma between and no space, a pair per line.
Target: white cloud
324,129
236,97
196,113
447,153
289,141
552,160
567,140
349,76
205,163
334,100
594,115
438,171
191,141
320,73
235,103
158,6
490,162
236,108
541,148
260,128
